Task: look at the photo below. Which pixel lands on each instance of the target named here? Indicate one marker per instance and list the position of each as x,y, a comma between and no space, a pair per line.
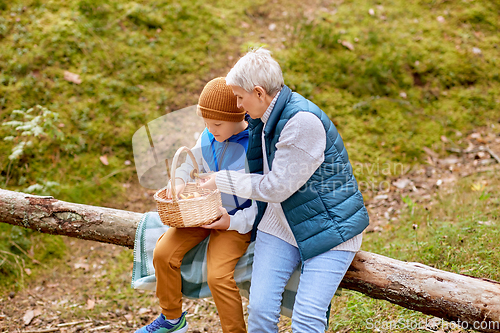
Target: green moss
135,63
408,79
139,60
22,249
457,233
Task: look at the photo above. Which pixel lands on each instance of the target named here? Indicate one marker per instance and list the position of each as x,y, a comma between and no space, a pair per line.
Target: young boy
221,146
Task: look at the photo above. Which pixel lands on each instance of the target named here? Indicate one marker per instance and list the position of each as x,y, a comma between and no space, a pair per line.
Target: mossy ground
394,77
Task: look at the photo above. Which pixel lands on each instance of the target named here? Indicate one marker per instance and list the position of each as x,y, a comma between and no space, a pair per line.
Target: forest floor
89,290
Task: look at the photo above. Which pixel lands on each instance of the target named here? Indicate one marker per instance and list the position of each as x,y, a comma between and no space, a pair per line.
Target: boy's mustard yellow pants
224,250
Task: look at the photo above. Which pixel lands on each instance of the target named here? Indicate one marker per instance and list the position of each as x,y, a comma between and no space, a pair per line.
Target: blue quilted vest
328,209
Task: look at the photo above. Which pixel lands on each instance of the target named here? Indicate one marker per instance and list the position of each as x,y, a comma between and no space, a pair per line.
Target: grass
23,252
394,78
135,63
408,79
458,233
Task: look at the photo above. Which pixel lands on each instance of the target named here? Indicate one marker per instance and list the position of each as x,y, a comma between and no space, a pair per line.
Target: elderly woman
311,212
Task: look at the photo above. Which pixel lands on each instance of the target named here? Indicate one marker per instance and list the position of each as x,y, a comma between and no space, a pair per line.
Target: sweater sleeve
242,221
299,152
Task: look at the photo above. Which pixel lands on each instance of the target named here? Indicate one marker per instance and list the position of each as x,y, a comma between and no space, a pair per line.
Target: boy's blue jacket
328,209
227,155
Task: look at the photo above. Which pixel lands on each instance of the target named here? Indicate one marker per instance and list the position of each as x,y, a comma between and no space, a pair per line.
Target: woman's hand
208,181
222,223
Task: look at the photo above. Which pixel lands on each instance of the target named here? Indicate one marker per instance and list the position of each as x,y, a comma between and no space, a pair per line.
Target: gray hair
257,68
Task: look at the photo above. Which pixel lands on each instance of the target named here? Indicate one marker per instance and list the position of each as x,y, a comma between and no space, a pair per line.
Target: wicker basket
195,212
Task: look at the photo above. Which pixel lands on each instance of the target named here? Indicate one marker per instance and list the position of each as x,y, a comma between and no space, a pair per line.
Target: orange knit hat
218,102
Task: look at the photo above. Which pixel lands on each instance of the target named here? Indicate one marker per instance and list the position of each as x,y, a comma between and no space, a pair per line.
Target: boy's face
221,130
252,102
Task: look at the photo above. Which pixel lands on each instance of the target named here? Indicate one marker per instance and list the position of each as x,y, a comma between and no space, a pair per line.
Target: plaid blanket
194,266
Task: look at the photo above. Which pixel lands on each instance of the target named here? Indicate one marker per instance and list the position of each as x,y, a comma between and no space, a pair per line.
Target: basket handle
174,164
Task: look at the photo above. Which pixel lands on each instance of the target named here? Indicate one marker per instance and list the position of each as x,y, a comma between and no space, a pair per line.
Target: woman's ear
261,93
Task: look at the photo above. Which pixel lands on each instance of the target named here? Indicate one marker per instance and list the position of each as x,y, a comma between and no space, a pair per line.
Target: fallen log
465,301
52,216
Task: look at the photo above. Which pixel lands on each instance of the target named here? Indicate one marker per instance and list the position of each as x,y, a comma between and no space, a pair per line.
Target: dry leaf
477,187
433,322
470,147
72,77
485,222
475,136
143,311
90,304
430,152
449,161
401,183
348,45
28,317
82,265
448,180
104,159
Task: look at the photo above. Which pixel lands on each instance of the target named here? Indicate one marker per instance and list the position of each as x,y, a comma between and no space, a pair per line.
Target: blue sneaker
161,325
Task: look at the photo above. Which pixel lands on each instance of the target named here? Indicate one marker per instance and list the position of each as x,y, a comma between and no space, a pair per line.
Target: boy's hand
208,181
222,223
179,188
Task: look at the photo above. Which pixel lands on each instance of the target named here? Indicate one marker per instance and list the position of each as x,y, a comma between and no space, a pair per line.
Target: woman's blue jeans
274,262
